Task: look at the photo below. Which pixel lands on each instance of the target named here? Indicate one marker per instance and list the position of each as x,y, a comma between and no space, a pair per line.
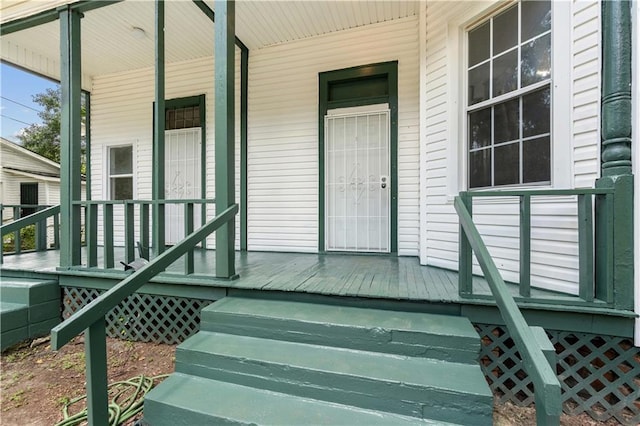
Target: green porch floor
386,277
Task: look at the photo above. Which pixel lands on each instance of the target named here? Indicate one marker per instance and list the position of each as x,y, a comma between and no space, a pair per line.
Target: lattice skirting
600,375
143,317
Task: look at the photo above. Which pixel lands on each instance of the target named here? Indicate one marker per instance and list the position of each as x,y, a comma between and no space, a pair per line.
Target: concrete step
188,400
404,333
405,385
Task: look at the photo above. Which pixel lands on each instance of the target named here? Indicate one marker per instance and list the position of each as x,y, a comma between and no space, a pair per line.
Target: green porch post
158,135
224,30
616,149
70,135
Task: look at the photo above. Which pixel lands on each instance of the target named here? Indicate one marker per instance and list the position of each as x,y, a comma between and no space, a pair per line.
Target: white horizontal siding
283,131
554,222
122,114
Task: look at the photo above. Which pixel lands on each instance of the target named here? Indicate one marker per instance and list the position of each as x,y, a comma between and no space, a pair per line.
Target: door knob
383,181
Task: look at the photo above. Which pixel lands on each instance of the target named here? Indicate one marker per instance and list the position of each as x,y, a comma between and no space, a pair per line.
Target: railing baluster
129,233
188,229
41,233
465,274
56,231
604,248
107,219
95,348
585,247
144,229
17,248
525,246
92,235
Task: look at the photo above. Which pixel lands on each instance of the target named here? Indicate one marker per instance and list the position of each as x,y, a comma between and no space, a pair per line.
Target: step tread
346,316
25,282
12,306
375,366
244,405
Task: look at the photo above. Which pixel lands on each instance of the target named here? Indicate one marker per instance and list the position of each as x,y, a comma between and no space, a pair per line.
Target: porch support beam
224,31
158,239
70,136
616,151
244,112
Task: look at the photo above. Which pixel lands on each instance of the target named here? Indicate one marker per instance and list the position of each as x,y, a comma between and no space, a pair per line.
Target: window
508,105
182,118
121,172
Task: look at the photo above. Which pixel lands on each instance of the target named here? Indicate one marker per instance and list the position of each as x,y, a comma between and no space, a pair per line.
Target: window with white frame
120,172
508,105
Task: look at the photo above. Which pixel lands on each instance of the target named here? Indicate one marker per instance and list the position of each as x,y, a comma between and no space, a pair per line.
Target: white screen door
357,180
182,178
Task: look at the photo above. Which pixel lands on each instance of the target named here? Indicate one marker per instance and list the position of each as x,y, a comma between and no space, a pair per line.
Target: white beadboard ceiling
109,45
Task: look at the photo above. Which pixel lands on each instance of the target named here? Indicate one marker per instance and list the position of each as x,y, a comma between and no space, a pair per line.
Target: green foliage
44,139
27,239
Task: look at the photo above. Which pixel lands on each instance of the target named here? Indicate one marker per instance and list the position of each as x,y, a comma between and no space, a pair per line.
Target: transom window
182,118
509,97
121,172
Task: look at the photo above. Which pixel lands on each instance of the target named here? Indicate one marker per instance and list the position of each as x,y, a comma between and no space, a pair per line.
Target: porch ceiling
110,45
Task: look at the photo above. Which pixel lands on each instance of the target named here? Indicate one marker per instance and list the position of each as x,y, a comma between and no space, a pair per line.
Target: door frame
354,75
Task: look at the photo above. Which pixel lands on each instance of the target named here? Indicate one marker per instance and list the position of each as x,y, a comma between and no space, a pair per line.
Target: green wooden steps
318,362
28,308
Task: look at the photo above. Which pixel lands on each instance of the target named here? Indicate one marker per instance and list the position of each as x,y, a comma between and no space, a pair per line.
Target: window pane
536,18
506,121
507,169
505,77
505,30
122,188
480,128
479,44
480,168
120,160
536,60
536,160
536,111
479,84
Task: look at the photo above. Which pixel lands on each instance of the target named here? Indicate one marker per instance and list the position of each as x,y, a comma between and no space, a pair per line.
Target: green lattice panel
600,375
143,317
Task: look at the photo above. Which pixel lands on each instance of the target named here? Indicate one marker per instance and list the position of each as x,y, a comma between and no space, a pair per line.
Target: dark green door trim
383,69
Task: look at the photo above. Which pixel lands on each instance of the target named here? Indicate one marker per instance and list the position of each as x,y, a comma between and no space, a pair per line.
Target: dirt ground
36,382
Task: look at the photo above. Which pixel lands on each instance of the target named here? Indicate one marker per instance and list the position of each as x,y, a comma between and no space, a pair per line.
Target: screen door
357,180
182,179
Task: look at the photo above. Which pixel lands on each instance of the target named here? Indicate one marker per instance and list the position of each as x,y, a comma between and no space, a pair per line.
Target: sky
17,109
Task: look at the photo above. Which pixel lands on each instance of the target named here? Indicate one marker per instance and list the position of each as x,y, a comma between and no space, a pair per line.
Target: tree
44,139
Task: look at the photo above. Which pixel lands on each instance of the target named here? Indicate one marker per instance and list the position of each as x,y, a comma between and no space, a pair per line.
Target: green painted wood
144,229
616,74
541,192
92,235
403,333
244,144
157,185
585,246
107,220
41,233
13,316
129,232
18,224
28,291
225,133
11,337
545,381
188,229
96,373
96,310
604,248
371,380
87,144
525,246
465,258
70,136
56,231
192,405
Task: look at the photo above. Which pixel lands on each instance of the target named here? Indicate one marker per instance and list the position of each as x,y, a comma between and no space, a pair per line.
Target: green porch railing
91,318
595,280
131,209
535,349
38,219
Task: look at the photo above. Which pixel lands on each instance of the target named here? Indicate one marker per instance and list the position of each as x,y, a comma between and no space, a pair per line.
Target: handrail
33,219
546,384
91,316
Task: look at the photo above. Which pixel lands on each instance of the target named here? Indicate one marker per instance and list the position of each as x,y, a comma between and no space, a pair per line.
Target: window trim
562,163
107,164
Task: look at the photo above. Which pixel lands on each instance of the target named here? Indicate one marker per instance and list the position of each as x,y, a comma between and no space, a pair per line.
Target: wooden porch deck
380,277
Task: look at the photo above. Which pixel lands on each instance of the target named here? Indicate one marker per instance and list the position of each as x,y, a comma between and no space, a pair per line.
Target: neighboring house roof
11,145
55,177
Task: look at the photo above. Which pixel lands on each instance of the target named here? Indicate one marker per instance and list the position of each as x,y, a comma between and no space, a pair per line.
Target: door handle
383,181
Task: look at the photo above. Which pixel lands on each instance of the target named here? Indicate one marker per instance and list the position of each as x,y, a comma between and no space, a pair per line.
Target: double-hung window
508,103
121,172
